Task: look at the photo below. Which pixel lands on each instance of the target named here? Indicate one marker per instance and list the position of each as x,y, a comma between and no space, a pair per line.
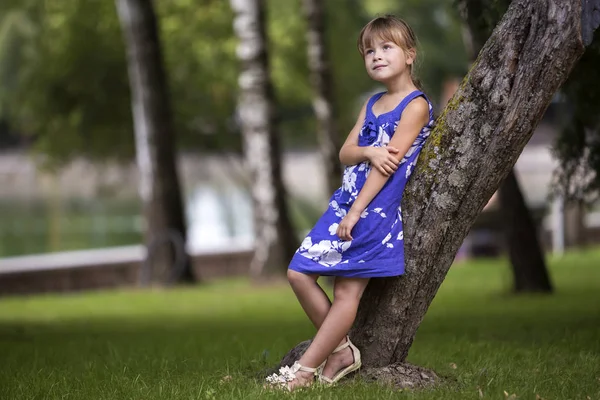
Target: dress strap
372,101
410,97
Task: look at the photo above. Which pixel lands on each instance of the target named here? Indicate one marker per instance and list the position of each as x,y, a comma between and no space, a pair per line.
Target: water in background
218,217
31,227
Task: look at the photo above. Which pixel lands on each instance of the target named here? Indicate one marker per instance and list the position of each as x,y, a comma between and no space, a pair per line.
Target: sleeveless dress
377,248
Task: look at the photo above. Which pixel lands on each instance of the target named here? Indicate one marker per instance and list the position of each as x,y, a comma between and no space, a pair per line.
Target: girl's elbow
342,156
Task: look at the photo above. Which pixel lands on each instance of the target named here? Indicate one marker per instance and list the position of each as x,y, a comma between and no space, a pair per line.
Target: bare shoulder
417,109
418,105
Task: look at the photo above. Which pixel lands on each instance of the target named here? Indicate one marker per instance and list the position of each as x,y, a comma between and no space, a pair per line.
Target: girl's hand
382,158
344,229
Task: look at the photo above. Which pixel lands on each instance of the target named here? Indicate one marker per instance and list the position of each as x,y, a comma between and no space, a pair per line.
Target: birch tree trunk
322,83
165,230
525,253
476,142
275,240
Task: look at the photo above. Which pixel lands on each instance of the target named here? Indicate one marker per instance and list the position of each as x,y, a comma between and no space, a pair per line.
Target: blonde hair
390,29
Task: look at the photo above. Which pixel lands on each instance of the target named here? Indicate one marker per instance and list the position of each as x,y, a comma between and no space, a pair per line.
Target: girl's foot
337,362
344,360
303,379
291,378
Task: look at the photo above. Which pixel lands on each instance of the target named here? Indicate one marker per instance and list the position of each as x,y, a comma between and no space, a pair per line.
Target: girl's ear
411,55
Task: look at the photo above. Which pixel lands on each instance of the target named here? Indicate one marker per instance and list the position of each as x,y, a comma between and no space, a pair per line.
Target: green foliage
70,89
216,340
15,30
289,71
350,81
199,48
73,91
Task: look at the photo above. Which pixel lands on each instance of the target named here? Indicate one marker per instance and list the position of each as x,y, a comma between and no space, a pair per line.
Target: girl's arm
414,117
381,158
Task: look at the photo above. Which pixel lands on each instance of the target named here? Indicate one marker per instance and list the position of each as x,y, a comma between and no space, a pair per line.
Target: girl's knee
349,291
344,294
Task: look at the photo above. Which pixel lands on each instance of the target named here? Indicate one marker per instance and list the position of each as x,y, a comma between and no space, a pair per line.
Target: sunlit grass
213,341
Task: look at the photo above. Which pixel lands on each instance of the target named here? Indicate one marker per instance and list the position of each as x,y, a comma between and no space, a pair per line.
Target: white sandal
288,374
350,368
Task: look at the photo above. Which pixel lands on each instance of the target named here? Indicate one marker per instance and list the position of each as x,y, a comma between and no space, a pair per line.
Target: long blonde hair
392,29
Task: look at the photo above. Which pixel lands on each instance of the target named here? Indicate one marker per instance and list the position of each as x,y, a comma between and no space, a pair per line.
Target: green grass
182,343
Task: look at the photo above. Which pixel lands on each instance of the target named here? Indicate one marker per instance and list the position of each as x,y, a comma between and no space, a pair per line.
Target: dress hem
354,270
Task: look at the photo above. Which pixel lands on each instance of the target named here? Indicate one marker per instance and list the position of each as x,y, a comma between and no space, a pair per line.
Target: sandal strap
342,346
298,367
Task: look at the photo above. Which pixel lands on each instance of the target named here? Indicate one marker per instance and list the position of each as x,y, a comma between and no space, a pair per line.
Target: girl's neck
400,85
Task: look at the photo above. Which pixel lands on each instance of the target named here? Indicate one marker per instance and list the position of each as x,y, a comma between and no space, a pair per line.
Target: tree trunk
526,258
525,253
275,240
165,230
575,223
322,83
474,146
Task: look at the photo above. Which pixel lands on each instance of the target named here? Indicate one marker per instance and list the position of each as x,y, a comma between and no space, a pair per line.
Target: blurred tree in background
159,188
319,62
275,240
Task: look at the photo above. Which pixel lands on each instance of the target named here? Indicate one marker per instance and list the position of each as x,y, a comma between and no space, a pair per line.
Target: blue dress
377,248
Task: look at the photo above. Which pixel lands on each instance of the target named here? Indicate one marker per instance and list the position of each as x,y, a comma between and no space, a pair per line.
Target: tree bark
275,240
476,142
525,253
322,83
160,192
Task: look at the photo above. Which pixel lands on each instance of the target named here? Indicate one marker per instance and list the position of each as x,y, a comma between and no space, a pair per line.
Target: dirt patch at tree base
401,376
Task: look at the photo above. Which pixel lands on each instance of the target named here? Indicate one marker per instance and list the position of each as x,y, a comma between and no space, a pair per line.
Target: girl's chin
379,78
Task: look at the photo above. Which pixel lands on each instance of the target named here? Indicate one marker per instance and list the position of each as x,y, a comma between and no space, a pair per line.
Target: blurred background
69,181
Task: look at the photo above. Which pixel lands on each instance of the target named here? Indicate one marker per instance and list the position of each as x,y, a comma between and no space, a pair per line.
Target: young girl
360,235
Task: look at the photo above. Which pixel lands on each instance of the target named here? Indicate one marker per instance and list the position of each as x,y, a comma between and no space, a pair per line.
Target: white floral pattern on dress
325,252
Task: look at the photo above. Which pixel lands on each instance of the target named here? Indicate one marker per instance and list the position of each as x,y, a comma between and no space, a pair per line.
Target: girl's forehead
379,38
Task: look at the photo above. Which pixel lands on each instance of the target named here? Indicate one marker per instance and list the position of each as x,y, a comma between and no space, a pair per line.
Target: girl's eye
369,51
387,46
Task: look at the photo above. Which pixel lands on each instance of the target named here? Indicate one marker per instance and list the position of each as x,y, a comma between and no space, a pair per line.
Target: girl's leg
312,298
337,323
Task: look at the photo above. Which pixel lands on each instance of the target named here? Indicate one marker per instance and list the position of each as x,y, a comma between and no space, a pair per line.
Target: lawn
212,341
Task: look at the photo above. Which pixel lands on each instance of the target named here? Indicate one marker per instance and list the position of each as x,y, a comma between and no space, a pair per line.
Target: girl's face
386,61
